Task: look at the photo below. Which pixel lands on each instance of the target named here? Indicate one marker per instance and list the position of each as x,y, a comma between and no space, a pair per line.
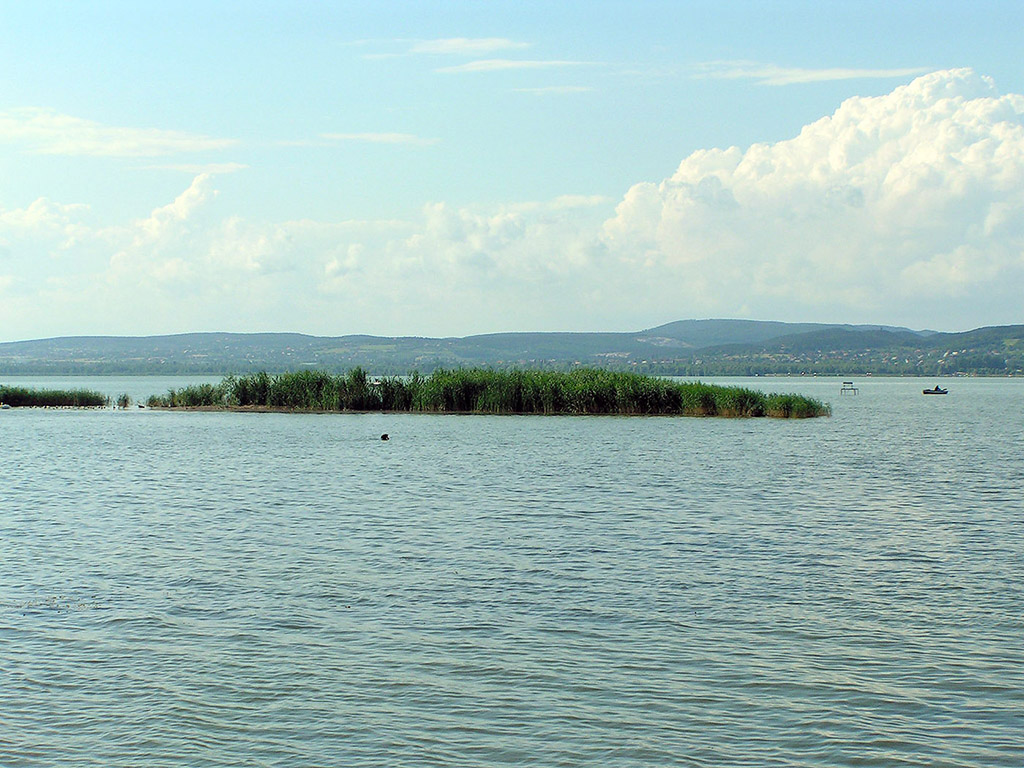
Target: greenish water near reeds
233,589
475,390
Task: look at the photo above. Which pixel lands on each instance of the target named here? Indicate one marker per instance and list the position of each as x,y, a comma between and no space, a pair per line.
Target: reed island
484,390
23,397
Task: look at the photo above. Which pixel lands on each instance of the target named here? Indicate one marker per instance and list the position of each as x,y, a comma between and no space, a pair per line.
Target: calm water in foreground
204,589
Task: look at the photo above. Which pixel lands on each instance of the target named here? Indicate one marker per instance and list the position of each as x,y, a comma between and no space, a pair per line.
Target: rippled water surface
202,589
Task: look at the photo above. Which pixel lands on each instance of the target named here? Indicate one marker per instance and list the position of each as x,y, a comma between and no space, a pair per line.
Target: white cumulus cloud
897,206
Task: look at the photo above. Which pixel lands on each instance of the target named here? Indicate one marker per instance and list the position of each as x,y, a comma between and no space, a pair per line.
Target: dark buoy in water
385,436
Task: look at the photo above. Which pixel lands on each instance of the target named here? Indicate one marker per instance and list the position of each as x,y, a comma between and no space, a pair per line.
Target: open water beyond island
233,589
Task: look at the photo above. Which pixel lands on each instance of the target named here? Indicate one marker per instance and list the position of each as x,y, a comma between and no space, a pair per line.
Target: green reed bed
479,390
23,397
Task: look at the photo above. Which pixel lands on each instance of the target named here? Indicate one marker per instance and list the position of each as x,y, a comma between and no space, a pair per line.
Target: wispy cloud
47,132
555,89
467,46
495,65
442,46
199,168
380,138
771,74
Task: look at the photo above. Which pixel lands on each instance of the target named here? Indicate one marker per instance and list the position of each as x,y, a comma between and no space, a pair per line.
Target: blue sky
453,168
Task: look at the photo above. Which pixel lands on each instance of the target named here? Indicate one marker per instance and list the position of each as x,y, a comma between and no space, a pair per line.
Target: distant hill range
685,348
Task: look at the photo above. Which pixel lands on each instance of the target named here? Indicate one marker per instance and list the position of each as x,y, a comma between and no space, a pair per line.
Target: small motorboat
937,390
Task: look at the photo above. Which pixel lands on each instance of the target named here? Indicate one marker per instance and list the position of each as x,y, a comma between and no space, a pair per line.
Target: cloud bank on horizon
905,208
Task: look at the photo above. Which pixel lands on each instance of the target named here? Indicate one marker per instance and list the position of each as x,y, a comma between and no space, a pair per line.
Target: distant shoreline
78,374
689,348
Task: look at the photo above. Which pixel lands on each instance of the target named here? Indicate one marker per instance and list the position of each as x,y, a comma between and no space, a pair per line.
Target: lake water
211,589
